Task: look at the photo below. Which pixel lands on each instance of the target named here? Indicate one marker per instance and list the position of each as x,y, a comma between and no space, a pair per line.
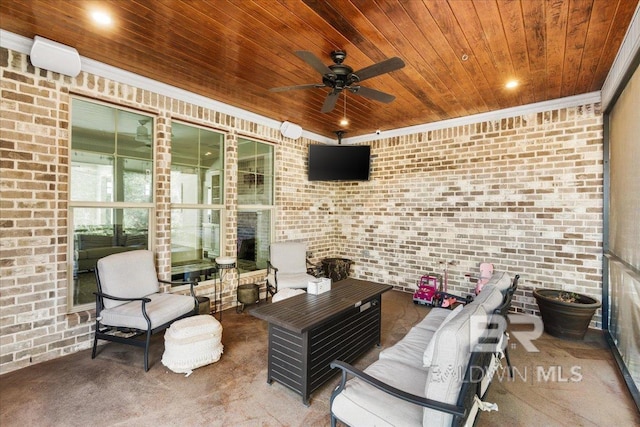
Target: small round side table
225,263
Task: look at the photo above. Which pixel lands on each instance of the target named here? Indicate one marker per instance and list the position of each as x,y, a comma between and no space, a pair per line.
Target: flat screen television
339,162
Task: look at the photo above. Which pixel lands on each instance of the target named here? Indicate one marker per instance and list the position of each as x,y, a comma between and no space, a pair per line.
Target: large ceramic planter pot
569,320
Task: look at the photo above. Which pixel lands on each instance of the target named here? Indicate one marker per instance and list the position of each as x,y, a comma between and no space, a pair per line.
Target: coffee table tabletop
303,312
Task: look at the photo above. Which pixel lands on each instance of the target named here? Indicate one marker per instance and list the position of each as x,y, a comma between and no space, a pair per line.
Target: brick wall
36,322
524,193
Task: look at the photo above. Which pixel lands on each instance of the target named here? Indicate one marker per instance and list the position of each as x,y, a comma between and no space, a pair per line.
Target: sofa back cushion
453,345
129,274
490,297
427,357
501,280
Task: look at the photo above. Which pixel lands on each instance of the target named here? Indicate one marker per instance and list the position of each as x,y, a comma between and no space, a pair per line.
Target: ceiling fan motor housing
339,76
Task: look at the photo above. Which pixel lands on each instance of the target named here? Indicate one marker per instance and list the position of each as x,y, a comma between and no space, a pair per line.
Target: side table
225,263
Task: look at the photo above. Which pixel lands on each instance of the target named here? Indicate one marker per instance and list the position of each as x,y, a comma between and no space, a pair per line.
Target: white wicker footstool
191,343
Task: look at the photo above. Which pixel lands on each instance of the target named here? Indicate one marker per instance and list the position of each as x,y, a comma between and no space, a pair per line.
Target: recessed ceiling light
101,17
511,84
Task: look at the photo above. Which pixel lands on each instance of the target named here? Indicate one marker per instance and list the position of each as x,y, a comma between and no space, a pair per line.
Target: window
197,197
255,204
111,189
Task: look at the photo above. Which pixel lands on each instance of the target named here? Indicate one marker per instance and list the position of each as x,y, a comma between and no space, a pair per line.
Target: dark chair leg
95,342
506,356
146,351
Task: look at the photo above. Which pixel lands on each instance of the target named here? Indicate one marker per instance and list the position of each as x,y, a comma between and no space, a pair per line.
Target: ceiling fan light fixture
511,84
101,18
142,133
344,121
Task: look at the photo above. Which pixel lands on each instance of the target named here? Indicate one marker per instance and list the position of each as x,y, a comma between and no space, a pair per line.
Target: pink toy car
427,291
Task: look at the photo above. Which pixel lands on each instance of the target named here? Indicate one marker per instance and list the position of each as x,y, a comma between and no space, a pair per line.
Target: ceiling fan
339,76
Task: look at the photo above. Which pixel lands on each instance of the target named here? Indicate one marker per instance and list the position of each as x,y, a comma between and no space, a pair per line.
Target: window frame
258,207
114,204
220,207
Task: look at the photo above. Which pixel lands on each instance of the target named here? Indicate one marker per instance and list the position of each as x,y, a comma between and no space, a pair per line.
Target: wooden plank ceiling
458,53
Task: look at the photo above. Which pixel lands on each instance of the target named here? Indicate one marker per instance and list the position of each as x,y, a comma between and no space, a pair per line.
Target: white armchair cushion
295,281
133,278
289,258
286,293
162,309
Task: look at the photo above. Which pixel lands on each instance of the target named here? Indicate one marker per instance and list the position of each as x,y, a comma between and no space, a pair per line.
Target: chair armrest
403,395
192,283
103,295
271,267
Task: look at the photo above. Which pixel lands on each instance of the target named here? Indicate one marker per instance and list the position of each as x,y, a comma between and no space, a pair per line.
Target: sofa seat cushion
410,348
433,319
162,309
361,404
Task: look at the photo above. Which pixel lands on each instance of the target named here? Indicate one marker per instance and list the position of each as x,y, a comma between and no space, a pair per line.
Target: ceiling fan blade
285,88
383,67
376,95
314,61
330,101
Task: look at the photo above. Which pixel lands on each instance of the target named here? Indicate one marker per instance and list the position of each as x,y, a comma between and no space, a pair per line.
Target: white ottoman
191,343
286,293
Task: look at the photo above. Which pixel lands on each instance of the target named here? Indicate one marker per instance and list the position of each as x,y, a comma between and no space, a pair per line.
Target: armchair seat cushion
163,308
293,280
362,404
286,293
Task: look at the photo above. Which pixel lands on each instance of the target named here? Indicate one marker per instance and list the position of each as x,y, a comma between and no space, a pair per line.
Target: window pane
195,243
184,184
254,238
98,232
137,180
255,173
197,164
92,177
134,135
184,144
112,154
93,127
